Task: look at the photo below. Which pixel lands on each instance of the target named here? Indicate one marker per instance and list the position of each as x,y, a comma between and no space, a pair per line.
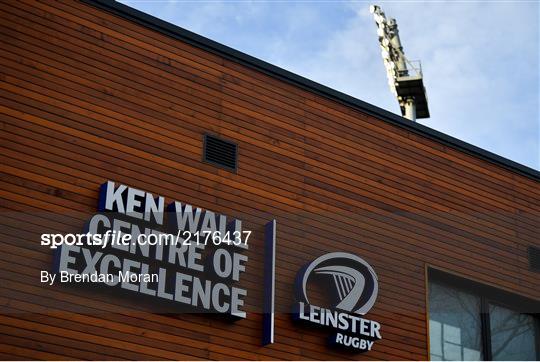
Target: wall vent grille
221,153
534,258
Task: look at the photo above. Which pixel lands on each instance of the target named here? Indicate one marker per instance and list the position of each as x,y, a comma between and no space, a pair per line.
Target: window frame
487,295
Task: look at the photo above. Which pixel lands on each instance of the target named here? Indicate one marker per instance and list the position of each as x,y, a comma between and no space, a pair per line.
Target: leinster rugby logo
344,288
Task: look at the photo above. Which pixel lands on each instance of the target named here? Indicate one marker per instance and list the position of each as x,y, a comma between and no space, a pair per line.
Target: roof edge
199,41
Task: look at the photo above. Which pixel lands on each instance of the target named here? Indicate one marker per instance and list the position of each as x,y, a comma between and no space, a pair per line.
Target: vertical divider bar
269,282
485,329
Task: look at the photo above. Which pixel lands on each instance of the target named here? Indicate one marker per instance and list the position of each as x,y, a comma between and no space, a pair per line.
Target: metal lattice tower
404,76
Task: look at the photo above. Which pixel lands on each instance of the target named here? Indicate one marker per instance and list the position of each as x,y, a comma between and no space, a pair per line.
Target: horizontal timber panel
86,96
196,58
316,225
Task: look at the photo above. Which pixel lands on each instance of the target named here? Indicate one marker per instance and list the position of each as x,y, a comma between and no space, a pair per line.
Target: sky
480,60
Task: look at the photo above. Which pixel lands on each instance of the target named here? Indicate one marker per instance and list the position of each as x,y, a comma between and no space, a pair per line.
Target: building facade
94,93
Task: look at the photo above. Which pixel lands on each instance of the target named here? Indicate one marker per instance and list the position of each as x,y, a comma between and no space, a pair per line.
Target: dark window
220,152
455,329
512,334
469,321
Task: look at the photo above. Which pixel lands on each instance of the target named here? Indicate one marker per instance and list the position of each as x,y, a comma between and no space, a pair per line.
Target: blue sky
480,59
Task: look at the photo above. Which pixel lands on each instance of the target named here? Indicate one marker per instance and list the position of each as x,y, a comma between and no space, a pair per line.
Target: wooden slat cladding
87,96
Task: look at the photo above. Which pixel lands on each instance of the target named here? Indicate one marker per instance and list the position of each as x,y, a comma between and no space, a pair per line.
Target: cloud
480,60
